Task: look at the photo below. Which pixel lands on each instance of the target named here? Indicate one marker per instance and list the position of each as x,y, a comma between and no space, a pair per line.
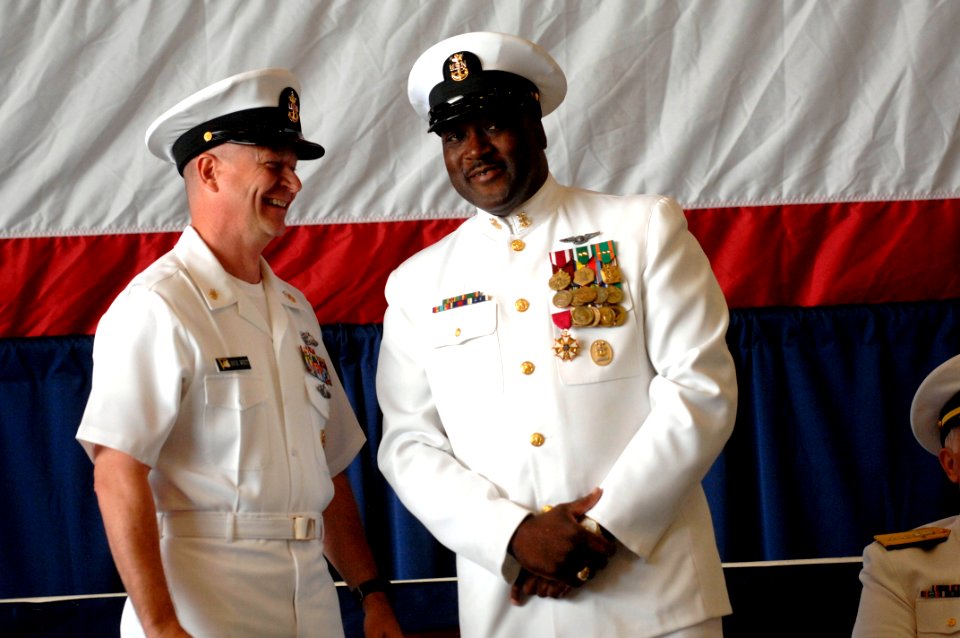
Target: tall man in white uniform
554,376
911,580
217,425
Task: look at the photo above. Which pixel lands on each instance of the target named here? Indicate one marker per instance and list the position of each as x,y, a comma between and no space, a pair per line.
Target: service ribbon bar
941,591
465,299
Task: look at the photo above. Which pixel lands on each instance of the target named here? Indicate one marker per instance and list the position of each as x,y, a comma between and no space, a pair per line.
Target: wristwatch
371,586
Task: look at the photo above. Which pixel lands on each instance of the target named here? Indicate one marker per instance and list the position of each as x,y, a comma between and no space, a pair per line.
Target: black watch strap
371,586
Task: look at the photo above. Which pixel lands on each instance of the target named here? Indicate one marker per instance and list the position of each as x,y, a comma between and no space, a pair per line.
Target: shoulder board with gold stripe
920,537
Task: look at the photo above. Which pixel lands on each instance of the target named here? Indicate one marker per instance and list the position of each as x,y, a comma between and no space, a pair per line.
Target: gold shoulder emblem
920,537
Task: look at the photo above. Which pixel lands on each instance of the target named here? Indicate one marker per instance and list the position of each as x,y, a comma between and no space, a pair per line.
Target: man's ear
950,463
207,167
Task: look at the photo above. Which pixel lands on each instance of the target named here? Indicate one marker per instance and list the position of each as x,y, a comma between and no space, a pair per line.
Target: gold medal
602,294
560,280
601,352
614,295
582,316
621,317
596,316
607,317
583,296
584,276
562,298
565,346
610,273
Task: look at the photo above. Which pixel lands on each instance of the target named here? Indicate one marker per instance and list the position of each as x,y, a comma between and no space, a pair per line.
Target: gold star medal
566,347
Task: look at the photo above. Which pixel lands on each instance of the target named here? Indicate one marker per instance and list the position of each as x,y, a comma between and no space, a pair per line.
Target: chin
274,226
274,230
490,203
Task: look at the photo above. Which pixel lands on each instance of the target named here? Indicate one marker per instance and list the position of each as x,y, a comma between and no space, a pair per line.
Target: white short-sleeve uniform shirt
236,413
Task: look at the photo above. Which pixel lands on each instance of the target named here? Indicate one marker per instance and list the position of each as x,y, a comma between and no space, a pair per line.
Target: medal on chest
315,364
587,284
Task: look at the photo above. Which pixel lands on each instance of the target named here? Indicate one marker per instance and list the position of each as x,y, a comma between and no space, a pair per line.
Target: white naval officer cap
260,107
483,71
936,405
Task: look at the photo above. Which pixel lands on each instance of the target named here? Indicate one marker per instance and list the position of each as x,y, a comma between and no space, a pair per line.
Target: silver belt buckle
304,528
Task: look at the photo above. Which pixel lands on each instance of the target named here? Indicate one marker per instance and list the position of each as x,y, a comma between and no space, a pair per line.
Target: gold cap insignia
293,107
458,67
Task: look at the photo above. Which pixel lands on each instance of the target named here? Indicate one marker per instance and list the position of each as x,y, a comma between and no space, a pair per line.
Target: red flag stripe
833,253
800,255
62,285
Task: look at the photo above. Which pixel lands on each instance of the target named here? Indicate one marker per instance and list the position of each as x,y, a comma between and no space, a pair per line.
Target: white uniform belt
241,526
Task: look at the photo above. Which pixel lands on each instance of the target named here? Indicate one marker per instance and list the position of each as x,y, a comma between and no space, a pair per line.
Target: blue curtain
51,534
821,457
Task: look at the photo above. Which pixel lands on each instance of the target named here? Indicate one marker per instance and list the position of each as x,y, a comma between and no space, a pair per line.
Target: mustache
480,166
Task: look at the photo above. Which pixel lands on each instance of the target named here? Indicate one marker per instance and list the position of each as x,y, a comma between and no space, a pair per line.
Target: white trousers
712,628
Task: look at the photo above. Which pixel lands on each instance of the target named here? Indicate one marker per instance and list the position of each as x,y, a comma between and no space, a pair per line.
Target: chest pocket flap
938,617
318,394
460,325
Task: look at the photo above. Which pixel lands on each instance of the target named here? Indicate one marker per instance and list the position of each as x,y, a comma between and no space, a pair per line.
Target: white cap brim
938,388
497,52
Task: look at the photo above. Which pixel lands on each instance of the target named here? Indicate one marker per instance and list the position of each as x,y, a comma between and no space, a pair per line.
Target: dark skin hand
553,546
528,584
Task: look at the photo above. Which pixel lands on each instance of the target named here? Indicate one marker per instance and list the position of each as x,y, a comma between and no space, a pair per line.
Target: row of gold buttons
527,367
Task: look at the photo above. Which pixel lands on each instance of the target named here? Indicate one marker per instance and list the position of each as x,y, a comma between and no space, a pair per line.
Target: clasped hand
556,552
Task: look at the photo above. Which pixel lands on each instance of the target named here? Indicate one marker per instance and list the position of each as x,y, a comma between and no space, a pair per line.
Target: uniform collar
528,216
213,281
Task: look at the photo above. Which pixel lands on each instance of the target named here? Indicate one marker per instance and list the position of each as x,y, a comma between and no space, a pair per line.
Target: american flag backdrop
813,144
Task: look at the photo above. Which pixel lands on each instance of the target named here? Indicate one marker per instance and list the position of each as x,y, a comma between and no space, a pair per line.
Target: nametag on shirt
229,364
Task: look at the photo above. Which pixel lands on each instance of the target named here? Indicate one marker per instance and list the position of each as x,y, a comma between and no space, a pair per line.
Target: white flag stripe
718,103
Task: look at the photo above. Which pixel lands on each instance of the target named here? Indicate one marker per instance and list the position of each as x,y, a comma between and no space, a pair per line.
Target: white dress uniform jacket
192,380
484,425
891,604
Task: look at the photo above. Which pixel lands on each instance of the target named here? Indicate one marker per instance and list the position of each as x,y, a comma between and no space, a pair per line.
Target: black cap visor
491,92
259,127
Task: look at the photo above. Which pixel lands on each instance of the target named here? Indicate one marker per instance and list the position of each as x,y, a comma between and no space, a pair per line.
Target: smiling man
215,420
553,375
